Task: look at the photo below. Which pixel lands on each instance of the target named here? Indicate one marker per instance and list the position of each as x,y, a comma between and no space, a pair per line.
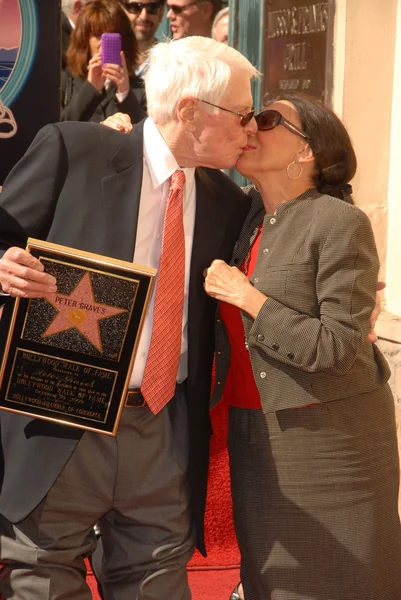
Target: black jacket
80,101
79,184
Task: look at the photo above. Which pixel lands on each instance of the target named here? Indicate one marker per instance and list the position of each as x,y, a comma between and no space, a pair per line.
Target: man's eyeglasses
136,8
269,119
177,10
245,118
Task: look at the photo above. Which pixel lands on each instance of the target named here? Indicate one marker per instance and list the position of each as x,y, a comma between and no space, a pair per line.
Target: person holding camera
92,90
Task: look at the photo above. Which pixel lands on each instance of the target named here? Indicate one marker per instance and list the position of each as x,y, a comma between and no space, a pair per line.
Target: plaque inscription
298,48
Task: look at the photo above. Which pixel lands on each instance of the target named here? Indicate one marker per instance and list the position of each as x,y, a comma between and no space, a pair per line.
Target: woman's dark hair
97,17
330,143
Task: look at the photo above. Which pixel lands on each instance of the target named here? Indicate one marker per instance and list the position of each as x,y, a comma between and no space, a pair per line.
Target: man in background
220,26
145,18
192,17
69,16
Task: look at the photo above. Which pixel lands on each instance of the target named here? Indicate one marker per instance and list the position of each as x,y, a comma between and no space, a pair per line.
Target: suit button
246,346
275,347
290,355
219,353
262,375
256,279
265,250
261,337
272,221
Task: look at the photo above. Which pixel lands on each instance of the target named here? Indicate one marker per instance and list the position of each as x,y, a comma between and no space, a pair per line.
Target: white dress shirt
158,166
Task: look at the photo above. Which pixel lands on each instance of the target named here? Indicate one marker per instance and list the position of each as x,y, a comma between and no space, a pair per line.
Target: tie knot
177,180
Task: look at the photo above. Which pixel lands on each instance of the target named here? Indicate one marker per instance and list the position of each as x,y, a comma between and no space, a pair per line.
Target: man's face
188,17
220,138
145,17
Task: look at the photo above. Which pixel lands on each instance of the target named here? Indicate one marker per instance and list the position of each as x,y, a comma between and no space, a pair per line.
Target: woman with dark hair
90,91
312,438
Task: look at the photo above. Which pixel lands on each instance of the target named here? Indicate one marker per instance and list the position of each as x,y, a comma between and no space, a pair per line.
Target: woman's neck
275,190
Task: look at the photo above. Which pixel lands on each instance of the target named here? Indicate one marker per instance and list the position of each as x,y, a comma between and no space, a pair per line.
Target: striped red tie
160,376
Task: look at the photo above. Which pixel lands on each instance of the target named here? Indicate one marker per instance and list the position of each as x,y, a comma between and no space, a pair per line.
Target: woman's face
272,151
94,45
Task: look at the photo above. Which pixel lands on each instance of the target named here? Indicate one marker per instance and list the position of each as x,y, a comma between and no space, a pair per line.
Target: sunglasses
137,7
245,118
177,10
269,119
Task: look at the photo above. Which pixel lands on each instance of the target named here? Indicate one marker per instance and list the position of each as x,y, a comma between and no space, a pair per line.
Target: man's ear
207,9
188,112
76,7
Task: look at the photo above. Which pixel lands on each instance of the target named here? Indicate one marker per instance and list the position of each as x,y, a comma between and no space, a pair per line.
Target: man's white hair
193,66
222,13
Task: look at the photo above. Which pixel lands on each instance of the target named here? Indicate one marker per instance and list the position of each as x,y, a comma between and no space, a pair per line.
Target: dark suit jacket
80,101
318,266
79,185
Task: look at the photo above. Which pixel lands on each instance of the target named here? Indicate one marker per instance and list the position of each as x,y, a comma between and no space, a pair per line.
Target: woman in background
90,91
312,438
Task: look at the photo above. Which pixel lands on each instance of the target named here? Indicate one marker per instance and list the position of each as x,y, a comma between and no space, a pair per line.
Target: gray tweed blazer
318,267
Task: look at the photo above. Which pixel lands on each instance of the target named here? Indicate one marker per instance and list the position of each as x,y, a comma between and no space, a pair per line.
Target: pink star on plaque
80,310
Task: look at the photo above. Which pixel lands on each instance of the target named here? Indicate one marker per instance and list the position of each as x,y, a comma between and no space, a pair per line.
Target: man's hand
22,275
372,337
119,121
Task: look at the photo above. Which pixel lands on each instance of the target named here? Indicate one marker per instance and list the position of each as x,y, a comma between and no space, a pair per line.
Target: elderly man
94,189
192,17
145,18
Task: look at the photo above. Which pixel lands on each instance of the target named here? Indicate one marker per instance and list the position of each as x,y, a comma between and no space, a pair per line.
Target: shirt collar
159,158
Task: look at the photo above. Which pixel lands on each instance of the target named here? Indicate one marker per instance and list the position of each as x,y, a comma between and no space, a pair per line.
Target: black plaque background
319,53
122,366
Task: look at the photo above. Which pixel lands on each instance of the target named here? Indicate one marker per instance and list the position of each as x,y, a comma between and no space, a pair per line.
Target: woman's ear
306,155
187,112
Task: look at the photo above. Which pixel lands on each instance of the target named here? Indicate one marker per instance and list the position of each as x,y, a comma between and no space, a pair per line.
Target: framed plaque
298,49
69,355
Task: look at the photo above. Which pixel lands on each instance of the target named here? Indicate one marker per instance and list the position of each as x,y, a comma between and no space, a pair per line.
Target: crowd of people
276,283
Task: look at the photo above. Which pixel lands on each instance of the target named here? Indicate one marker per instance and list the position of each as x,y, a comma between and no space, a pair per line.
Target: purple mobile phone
111,48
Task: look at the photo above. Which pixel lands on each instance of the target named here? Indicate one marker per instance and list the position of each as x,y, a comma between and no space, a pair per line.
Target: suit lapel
121,195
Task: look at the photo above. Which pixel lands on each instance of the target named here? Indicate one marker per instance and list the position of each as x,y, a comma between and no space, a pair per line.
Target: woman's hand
229,284
95,72
119,121
118,75
372,337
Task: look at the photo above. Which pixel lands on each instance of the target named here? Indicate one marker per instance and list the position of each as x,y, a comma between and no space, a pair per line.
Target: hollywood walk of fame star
80,310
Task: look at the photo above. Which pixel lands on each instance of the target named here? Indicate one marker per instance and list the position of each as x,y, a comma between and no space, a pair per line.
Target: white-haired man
92,188
70,10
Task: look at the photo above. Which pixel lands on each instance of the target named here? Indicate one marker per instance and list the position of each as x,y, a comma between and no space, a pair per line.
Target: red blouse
240,388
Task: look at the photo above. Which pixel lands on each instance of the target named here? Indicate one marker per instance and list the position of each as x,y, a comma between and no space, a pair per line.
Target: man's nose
143,14
170,13
251,127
